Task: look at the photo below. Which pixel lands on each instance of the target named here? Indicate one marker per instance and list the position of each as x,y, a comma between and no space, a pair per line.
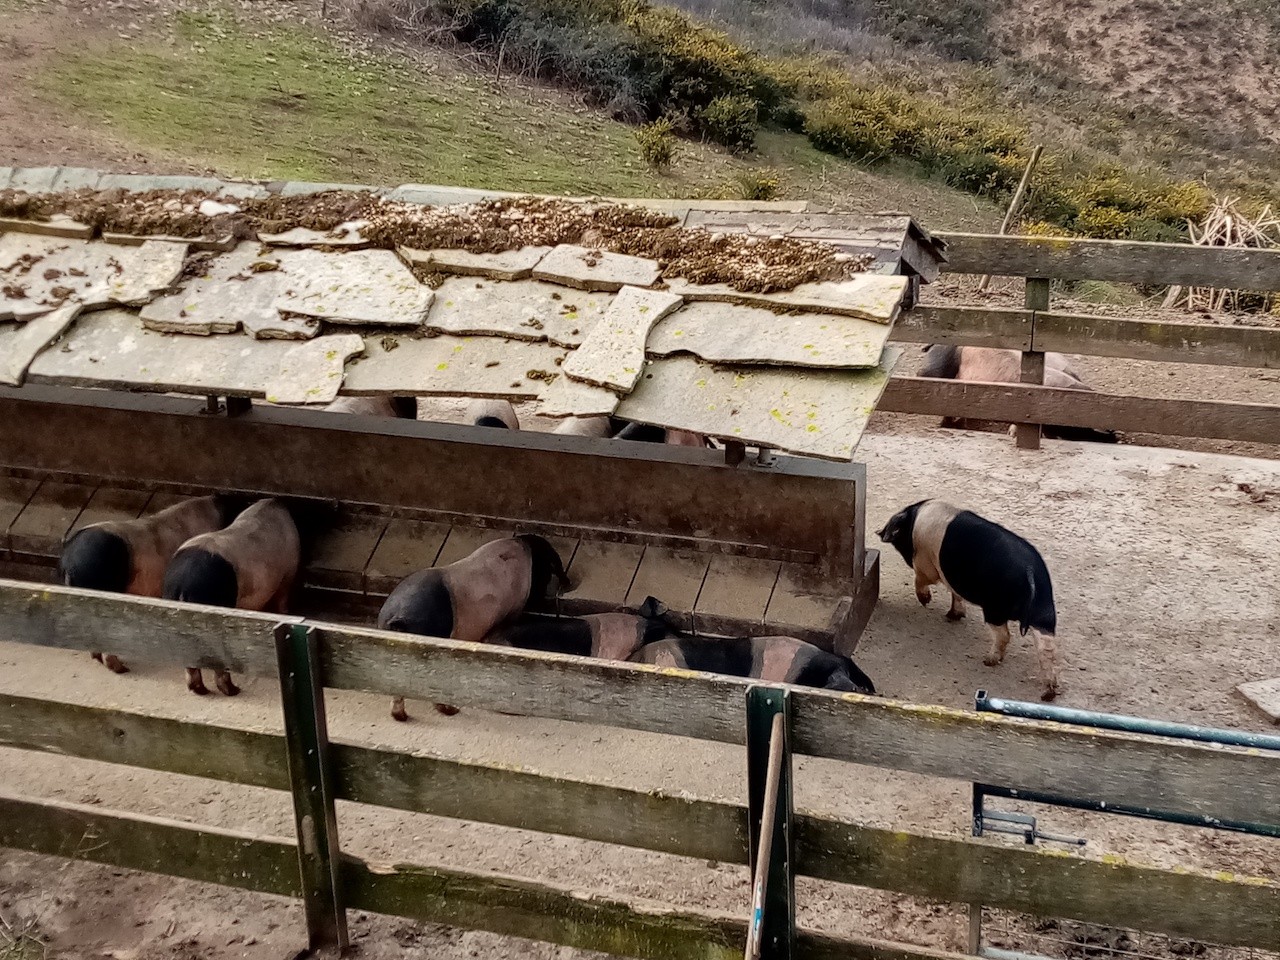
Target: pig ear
652,607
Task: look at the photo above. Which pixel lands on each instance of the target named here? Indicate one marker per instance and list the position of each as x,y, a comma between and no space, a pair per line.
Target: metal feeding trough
158,326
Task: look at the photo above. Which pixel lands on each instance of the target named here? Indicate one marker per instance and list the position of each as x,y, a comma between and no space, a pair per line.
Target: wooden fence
1179,776
1036,330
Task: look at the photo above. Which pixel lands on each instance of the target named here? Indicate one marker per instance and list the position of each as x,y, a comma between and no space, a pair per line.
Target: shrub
851,127
657,143
758,184
731,122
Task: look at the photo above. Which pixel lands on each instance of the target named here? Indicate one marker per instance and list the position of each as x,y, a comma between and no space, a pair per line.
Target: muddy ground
1169,596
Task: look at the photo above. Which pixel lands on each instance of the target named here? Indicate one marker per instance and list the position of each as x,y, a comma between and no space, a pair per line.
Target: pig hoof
227,687
447,710
992,660
96,656
400,715
114,665
199,689
1049,693
954,615
924,597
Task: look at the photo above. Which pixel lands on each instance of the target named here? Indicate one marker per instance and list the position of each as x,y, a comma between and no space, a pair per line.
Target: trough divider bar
311,779
771,929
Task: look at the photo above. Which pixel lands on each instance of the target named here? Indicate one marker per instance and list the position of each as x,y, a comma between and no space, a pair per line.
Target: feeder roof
307,311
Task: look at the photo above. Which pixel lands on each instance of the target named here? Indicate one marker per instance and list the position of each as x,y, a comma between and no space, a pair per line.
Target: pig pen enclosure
735,543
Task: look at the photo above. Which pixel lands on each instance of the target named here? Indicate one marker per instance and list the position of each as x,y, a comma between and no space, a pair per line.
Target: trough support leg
311,783
1027,435
769,819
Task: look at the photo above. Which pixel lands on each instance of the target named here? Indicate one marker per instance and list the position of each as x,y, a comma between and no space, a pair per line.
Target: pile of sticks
1225,226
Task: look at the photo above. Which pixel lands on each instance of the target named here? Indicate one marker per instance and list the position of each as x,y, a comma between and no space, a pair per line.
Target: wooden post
769,708
1027,435
311,783
1015,202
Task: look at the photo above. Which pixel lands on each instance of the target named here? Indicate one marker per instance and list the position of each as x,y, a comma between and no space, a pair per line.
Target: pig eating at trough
493,413
251,564
468,598
130,556
985,564
780,659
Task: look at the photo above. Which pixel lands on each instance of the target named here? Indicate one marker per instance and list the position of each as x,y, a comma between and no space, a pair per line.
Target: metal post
776,919
1027,435
307,740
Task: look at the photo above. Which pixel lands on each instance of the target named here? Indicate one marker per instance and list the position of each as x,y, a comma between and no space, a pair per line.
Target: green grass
289,103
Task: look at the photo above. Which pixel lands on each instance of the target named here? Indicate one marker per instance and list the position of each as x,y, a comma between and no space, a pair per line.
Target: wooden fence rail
1181,776
1037,330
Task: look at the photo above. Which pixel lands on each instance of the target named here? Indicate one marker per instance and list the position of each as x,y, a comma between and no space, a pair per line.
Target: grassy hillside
299,101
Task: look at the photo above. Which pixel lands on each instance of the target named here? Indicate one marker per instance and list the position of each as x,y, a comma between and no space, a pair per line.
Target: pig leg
112,662
225,684
195,681
922,588
447,710
957,607
397,710
1047,648
999,643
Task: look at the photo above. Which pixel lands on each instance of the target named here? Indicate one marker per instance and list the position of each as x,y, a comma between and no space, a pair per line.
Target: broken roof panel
797,369
822,413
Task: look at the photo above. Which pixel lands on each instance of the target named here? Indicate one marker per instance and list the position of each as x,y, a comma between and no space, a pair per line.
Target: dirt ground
1168,591
1168,596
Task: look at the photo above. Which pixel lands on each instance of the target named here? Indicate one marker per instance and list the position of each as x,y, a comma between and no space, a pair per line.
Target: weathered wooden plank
965,326
1198,904
804,598
1120,261
15,493
1163,774
111,503
1161,342
340,555
154,844
737,588
602,572
576,918
140,740
1211,906
47,517
405,547
139,628
1216,419
1232,784
673,576
552,482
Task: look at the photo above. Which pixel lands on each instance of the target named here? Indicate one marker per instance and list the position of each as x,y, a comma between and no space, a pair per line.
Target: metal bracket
1017,824
771,930
307,742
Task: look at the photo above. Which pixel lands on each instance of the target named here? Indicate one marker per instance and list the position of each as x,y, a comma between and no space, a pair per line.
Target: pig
775,659
584,427
468,598
130,556
648,433
405,408
492,413
606,636
1004,366
251,564
983,563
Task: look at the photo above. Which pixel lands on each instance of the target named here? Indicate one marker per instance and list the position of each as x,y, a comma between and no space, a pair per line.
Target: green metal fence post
777,917
307,739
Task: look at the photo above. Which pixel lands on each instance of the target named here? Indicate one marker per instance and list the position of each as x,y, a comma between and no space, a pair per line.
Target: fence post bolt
778,919
311,783
1027,435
